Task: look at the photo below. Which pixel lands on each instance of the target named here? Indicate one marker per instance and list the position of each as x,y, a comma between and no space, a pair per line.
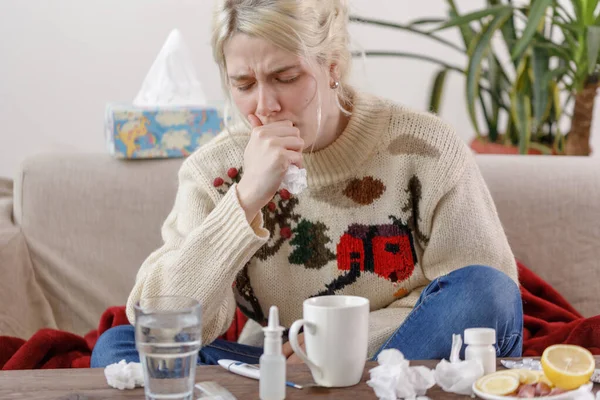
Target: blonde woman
395,210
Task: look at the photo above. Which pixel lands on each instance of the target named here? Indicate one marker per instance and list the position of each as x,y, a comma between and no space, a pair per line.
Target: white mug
336,336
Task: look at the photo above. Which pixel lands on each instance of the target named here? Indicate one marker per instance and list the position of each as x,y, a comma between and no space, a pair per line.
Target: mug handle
293,338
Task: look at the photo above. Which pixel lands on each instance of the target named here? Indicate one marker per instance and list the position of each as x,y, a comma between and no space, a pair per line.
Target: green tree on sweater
310,240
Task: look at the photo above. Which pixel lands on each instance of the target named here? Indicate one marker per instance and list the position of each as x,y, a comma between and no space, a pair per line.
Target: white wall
61,61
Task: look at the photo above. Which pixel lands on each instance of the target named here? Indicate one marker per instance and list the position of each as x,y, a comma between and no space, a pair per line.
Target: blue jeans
474,296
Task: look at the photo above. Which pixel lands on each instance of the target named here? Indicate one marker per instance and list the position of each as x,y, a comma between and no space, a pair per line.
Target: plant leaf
426,21
477,50
437,91
377,53
408,28
536,13
578,7
466,31
542,148
590,11
540,61
521,109
496,87
474,16
593,47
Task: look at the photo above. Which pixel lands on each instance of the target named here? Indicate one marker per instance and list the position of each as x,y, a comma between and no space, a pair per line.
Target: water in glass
168,338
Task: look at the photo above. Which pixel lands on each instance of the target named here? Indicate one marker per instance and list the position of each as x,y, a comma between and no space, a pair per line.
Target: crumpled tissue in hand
123,375
294,180
395,379
457,376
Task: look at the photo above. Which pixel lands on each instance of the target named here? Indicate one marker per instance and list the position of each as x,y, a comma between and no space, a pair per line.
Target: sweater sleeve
465,229
205,246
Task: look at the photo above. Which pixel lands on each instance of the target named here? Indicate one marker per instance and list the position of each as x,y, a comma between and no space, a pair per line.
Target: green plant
526,88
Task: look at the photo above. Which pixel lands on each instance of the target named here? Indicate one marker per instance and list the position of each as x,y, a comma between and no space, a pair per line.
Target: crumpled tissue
457,376
584,393
172,79
123,375
294,180
395,379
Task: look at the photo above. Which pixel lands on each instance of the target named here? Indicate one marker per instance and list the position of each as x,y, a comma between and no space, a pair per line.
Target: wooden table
89,384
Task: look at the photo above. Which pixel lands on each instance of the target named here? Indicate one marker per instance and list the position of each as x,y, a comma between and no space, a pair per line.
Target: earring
335,85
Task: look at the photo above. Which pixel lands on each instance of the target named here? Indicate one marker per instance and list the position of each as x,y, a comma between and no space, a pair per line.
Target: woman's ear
334,75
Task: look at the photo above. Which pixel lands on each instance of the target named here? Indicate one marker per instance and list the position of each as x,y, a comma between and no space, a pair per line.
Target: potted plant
527,89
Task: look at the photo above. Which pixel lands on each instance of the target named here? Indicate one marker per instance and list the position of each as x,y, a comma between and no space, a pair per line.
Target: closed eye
244,87
288,80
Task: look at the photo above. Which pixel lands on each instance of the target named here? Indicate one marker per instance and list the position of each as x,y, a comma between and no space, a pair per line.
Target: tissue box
161,132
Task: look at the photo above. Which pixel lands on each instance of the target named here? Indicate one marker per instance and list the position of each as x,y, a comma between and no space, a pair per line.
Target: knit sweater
394,202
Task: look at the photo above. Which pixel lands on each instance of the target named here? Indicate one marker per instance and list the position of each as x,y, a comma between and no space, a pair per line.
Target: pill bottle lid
480,336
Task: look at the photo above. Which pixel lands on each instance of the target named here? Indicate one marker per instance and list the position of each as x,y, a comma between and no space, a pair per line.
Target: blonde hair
311,29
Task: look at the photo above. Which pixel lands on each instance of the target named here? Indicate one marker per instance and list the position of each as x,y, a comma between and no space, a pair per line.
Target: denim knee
499,297
114,345
498,292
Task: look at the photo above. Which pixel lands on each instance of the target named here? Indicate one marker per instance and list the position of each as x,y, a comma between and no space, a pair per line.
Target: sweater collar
342,158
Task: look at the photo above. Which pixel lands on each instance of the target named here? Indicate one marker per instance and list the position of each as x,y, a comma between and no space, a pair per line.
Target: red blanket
548,319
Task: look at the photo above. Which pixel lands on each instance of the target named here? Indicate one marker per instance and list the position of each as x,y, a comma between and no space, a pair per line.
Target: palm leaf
474,16
437,91
591,10
426,21
593,42
542,148
521,108
578,7
402,54
466,31
537,12
477,50
408,28
540,61
494,79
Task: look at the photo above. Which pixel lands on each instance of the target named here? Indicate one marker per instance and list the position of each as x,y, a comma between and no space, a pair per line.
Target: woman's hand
288,352
271,150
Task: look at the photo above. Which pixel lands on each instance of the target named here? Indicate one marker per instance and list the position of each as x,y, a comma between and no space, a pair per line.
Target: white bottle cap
480,336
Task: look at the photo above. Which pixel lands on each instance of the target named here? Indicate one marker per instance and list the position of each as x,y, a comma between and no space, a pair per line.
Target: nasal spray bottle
272,362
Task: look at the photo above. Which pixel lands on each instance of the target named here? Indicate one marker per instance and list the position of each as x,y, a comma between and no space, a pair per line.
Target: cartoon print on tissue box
159,132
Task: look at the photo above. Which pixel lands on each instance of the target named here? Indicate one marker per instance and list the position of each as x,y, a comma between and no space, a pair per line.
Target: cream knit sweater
395,202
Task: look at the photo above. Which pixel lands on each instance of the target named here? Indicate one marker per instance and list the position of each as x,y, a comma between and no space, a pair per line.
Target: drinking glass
168,335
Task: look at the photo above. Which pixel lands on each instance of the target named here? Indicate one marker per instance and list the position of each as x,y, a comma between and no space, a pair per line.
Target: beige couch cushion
90,221
550,209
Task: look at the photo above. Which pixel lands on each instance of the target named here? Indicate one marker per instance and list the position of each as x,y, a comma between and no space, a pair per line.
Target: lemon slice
528,377
498,384
508,372
568,366
543,378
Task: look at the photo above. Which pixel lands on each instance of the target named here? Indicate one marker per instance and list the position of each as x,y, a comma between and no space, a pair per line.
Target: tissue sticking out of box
172,79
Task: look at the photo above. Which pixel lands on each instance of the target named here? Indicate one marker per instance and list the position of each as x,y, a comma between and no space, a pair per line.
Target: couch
74,228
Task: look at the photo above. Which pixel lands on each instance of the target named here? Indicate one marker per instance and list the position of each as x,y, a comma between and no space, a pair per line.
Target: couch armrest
24,307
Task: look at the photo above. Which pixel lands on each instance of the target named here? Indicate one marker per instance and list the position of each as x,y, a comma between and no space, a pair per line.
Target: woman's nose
268,103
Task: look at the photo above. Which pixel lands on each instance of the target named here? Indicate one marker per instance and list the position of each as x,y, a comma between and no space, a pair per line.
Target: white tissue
294,180
457,376
395,379
584,393
124,375
172,79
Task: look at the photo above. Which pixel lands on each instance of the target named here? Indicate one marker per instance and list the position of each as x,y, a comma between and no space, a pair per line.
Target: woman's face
276,85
